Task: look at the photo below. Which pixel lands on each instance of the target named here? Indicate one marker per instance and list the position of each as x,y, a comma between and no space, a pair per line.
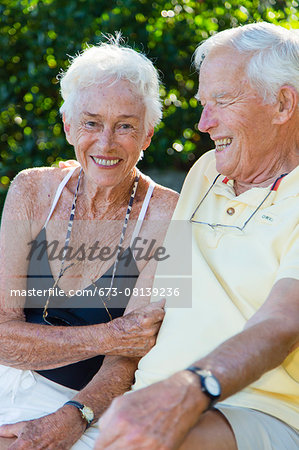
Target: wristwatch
86,412
209,384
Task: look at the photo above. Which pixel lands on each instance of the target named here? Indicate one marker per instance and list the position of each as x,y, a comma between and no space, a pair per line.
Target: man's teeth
221,144
106,162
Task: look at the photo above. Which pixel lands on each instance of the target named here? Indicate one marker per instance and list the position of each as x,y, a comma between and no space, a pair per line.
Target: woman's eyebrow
128,116
121,116
87,113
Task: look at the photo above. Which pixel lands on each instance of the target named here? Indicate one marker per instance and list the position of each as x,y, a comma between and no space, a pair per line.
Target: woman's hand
135,333
59,430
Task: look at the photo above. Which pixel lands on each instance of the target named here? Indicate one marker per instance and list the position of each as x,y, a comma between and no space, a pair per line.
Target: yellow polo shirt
232,274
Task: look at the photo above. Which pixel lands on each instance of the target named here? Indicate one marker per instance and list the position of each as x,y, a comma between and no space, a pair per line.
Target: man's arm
161,415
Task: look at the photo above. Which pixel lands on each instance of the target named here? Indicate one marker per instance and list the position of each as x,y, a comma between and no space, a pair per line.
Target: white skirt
26,395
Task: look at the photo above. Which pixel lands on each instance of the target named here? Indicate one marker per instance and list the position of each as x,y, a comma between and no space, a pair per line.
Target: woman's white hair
108,63
273,53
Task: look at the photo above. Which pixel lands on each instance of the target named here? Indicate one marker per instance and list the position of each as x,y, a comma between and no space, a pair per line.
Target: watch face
212,386
88,414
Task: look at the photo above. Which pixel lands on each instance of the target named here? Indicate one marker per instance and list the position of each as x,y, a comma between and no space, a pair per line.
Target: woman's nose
105,139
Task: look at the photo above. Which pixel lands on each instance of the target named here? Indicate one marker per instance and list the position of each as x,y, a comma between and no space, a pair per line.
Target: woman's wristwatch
86,412
209,384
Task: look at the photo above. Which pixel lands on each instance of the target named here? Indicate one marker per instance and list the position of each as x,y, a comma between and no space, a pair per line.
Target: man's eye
125,126
90,123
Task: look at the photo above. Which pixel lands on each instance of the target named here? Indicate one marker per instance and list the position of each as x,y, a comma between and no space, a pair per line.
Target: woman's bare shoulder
32,189
163,201
164,198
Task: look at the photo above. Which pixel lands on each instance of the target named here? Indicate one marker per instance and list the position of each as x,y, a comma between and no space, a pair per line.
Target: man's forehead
221,69
227,59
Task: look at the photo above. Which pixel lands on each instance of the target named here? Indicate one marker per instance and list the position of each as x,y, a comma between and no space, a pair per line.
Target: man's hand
68,163
53,432
156,417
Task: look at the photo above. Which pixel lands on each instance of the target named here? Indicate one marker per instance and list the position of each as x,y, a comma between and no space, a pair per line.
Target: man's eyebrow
214,96
220,95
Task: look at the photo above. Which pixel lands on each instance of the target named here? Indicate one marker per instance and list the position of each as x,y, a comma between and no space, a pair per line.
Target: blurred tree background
37,37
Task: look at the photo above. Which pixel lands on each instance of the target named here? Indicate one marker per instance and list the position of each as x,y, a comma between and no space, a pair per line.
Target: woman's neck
96,197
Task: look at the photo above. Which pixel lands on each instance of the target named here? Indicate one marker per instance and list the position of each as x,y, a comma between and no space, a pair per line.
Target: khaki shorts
255,430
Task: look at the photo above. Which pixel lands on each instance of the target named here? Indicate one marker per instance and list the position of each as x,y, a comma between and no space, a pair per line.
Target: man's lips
221,144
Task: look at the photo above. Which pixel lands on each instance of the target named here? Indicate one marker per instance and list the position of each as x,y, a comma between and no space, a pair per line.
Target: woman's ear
67,130
287,102
148,138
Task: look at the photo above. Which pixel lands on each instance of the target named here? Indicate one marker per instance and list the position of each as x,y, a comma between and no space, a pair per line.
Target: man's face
236,117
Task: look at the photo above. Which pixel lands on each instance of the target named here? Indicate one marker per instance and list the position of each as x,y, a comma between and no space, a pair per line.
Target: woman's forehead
119,96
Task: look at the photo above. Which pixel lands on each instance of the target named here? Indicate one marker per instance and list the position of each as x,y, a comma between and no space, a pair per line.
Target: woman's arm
66,426
37,347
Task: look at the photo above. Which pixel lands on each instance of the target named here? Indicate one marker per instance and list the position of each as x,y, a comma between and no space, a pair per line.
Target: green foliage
37,35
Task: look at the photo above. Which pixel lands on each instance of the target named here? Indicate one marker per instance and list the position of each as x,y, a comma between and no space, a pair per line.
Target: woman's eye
90,123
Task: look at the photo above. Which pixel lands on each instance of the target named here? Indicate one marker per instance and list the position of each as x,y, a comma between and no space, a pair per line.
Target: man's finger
68,163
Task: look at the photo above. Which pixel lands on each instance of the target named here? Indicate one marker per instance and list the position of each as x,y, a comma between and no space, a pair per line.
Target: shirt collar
288,187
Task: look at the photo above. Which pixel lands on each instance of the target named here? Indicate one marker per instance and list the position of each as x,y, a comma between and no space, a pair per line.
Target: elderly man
224,373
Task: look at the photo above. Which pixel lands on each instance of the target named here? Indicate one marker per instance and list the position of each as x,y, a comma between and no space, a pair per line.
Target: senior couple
224,372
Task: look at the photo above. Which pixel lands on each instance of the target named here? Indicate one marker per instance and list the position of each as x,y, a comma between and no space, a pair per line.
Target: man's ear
148,138
67,130
287,102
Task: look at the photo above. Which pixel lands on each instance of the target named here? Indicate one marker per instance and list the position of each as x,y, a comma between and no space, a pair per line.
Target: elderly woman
70,234
238,344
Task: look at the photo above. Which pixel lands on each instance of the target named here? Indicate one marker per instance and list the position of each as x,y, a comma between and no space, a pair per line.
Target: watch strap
74,403
79,406
202,374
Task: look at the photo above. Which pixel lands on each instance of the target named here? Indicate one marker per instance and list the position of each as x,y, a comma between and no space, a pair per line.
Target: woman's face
107,132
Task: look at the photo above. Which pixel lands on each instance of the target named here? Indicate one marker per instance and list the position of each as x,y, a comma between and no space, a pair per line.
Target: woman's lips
106,162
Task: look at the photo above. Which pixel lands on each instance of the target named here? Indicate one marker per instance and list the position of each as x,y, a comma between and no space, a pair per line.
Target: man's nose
208,119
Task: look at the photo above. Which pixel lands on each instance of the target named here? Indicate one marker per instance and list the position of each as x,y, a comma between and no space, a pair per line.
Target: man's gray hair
107,63
273,55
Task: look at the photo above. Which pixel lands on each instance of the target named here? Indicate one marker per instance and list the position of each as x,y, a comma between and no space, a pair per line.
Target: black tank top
78,310
69,311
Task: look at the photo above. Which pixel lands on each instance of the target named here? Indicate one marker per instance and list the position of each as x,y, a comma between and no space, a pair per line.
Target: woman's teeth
221,144
106,162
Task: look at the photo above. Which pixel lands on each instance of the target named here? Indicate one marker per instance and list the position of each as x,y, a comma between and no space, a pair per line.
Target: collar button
230,211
